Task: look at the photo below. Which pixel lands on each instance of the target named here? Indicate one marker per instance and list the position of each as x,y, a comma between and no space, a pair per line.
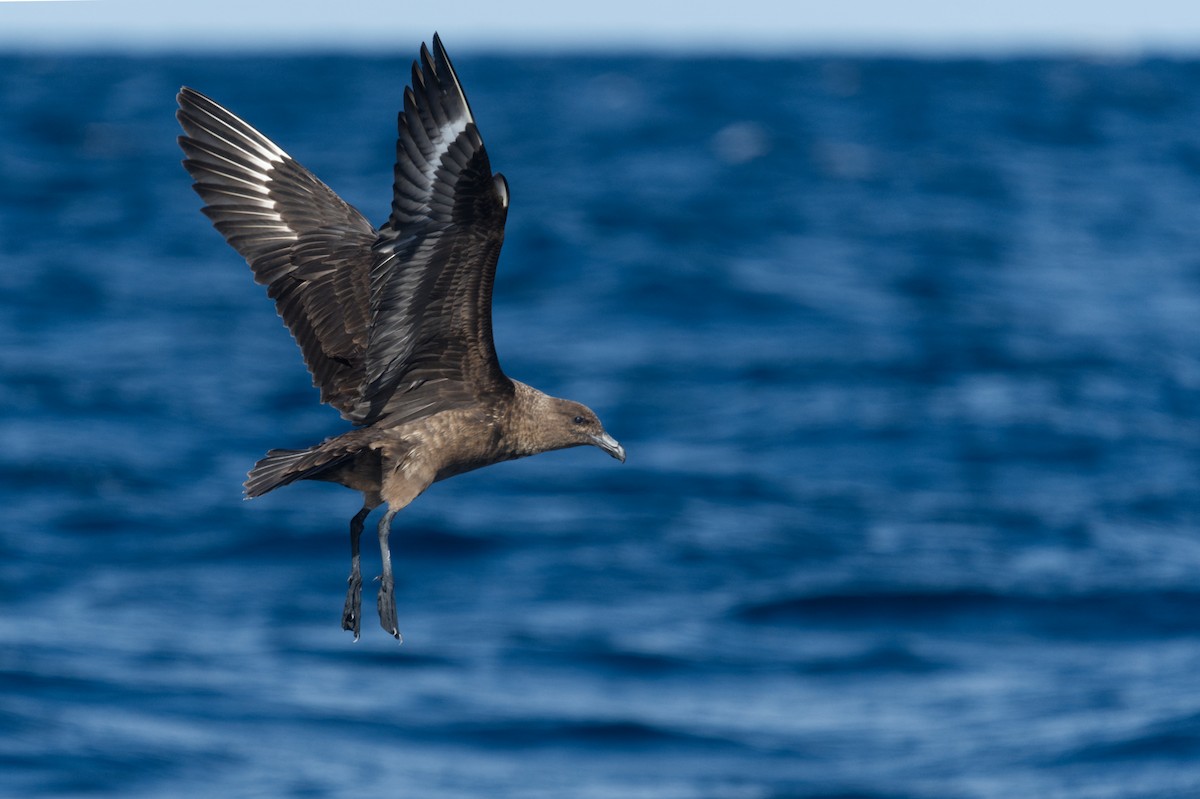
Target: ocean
905,353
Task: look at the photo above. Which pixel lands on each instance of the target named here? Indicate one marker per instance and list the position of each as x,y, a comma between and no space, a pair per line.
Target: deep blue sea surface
905,354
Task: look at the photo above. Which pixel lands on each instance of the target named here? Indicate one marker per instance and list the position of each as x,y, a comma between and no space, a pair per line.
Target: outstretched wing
304,243
430,345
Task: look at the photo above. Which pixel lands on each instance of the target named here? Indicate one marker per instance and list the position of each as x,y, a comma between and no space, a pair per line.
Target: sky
945,26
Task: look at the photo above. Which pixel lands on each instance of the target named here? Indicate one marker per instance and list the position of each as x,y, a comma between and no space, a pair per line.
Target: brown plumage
395,324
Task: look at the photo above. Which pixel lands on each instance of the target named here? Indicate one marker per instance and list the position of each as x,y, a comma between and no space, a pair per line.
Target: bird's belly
461,467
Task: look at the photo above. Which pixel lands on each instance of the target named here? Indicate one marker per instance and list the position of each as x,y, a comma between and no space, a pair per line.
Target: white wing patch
446,136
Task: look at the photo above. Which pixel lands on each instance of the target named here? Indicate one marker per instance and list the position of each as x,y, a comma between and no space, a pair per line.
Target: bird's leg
387,596
352,611
403,479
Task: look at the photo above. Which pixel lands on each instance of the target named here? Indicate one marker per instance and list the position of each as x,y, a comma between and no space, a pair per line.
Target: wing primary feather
430,344
305,244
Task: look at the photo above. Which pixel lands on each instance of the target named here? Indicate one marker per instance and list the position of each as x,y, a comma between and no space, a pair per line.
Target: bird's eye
578,420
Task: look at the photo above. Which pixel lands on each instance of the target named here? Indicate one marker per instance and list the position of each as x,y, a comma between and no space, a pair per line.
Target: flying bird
395,324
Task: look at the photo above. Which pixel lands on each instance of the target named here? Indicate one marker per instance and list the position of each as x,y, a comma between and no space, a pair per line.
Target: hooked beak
609,444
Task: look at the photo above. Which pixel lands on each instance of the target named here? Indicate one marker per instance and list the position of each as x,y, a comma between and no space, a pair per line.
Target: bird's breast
454,442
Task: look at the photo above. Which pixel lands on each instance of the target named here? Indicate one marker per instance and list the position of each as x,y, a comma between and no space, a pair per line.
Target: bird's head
572,424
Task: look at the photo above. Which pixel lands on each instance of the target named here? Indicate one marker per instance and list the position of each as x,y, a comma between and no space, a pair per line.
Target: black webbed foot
352,611
387,587
387,606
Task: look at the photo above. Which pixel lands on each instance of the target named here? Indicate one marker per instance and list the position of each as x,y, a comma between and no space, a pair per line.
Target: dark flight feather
309,248
393,323
431,346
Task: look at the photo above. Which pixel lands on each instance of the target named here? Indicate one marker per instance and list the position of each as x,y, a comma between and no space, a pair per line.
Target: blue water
905,354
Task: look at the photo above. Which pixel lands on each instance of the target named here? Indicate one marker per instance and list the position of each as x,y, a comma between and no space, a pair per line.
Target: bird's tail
283,466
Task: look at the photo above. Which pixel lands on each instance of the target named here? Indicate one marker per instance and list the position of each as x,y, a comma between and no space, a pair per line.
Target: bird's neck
526,435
